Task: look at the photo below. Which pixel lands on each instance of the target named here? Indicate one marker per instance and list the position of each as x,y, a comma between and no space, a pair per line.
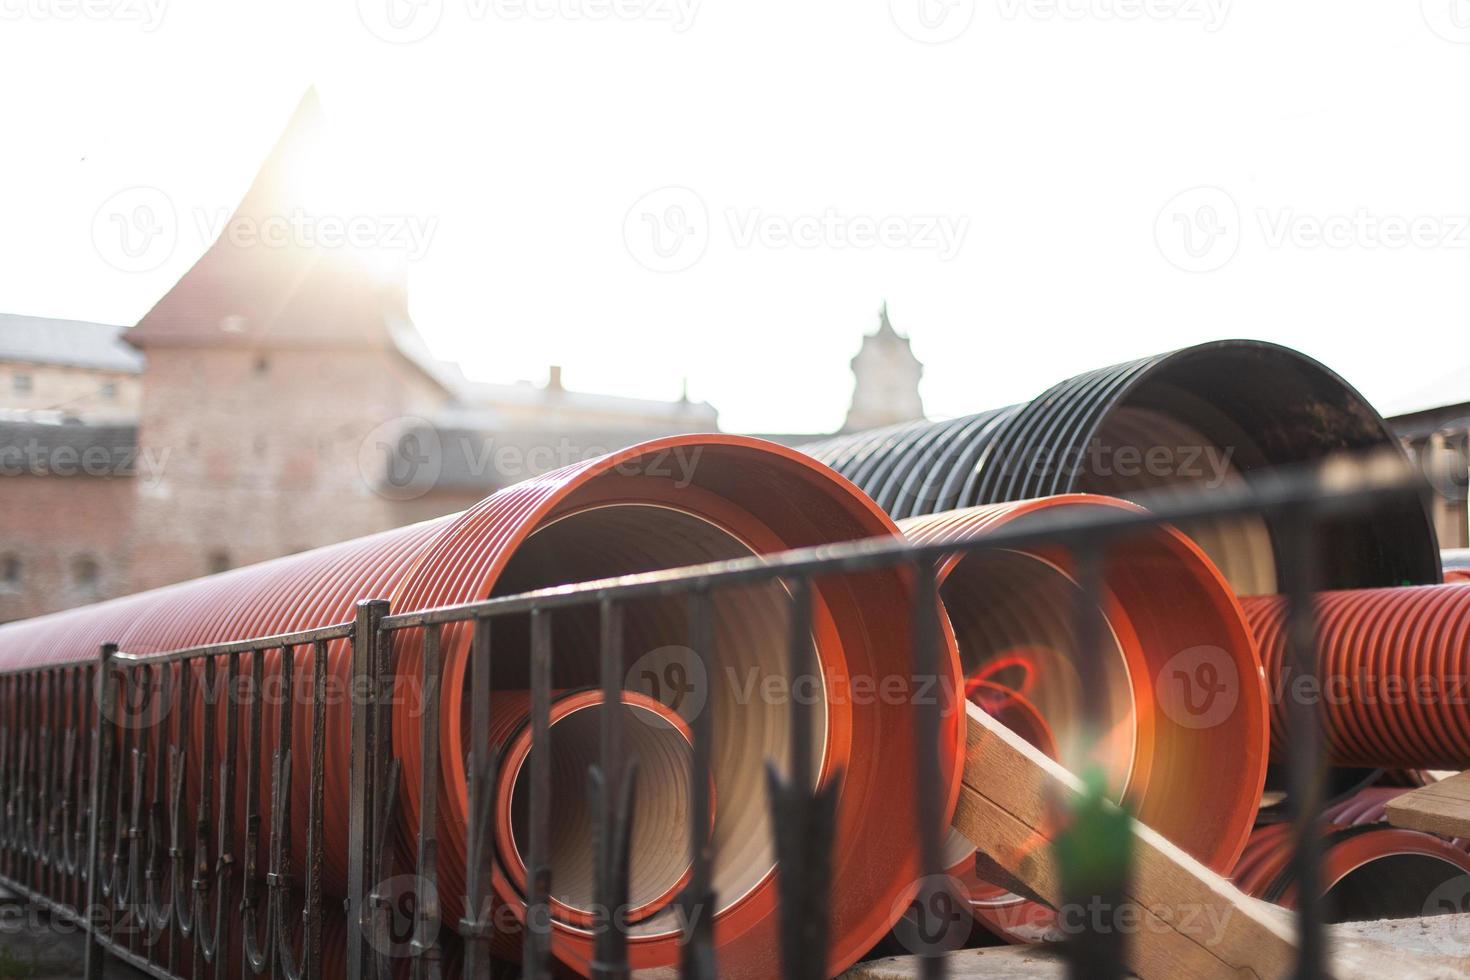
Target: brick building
277,398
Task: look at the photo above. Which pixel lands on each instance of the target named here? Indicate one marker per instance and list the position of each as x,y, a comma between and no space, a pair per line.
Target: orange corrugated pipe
670,502
1189,761
1370,871
1393,675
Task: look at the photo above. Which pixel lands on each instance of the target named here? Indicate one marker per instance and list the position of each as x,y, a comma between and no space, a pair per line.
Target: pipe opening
659,848
1014,620
747,688
1395,886
1147,452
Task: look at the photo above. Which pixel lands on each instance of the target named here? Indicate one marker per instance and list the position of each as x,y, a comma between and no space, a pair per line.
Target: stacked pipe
1369,870
1192,773
1392,674
672,502
1456,564
1197,418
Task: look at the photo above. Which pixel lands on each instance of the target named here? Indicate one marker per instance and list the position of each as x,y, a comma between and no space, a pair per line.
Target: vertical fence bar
538,912
803,813
425,944
926,747
477,924
1304,775
100,824
612,796
362,777
698,904
317,817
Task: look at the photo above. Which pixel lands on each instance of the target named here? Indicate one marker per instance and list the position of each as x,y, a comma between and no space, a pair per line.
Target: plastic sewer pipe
671,502
1393,674
1370,871
1190,761
1195,418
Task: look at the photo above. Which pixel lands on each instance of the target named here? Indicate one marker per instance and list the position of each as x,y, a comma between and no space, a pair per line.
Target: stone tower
887,380
268,364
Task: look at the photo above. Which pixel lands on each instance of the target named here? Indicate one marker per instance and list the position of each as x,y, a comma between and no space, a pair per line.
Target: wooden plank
1440,808
1184,920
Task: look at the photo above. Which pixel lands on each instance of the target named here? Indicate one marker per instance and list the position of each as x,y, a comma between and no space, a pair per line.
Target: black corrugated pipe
1203,416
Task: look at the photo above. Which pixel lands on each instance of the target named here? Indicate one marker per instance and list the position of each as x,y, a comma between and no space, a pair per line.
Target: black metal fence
99,831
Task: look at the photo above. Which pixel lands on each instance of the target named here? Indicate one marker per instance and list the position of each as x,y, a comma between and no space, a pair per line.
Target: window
109,391
85,573
218,561
262,364
10,571
21,383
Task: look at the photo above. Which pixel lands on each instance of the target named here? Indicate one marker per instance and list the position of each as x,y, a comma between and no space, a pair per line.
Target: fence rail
103,826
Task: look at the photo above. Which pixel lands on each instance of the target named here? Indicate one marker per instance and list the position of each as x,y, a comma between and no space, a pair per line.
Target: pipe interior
1014,621
1270,407
745,689
1146,452
1396,886
659,845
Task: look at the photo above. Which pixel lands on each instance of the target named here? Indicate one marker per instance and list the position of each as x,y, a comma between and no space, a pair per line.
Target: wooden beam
1440,808
1184,920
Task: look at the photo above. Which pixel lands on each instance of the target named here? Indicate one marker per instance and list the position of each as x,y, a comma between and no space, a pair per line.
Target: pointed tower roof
265,283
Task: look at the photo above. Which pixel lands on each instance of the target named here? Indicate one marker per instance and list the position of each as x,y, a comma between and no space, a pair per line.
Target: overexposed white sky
647,190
